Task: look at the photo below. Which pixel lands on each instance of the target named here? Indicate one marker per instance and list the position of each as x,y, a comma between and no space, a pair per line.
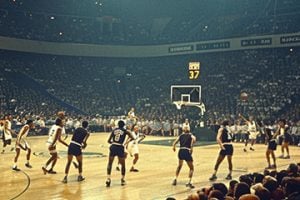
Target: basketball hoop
178,104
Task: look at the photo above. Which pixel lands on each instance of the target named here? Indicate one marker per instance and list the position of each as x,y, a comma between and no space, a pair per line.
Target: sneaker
108,181
123,182
16,169
80,178
213,177
281,156
28,165
174,182
269,167
12,149
228,177
65,180
245,150
190,185
44,170
287,157
118,168
75,164
251,149
134,170
2,152
51,171
273,166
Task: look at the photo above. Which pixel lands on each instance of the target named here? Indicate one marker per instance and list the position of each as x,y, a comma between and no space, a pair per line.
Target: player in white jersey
251,133
21,143
133,148
186,125
55,134
7,133
131,118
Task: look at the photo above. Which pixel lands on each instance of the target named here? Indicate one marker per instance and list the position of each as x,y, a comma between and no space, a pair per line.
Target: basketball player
7,133
21,143
186,141
186,124
117,139
131,118
284,139
62,115
251,133
133,148
224,138
78,142
55,133
271,138
175,128
1,131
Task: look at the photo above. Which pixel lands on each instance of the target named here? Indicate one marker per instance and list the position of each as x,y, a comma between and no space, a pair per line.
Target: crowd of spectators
111,22
106,89
269,185
110,87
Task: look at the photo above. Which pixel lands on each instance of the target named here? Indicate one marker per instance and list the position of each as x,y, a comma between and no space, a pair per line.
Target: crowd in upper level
105,22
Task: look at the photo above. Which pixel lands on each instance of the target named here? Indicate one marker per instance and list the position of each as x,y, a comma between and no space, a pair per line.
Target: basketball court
157,166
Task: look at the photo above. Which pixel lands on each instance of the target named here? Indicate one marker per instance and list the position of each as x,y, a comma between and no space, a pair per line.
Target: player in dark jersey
284,138
78,142
224,138
117,139
186,141
271,139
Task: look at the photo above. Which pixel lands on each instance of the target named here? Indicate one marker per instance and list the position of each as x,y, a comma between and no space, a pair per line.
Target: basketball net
201,106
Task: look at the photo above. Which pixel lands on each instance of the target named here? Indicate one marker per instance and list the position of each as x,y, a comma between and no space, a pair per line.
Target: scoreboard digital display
194,70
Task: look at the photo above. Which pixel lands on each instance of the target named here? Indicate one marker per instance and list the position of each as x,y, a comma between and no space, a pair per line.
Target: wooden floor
157,166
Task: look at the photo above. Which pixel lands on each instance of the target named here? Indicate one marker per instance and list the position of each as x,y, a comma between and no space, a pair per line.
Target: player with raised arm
251,133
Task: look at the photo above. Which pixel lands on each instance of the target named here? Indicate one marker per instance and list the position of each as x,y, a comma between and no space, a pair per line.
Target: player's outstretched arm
243,118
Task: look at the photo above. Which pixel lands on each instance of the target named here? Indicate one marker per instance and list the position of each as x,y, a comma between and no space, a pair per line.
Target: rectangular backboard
190,94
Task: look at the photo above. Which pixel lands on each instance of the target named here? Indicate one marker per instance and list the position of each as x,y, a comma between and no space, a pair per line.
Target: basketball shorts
133,148
23,145
184,154
287,138
253,135
228,151
116,150
272,145
74,150
7,142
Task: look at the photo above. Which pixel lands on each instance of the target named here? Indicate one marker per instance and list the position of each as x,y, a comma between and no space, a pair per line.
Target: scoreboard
194,70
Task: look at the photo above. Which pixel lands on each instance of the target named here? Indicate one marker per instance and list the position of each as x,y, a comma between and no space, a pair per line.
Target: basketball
61,114
244,96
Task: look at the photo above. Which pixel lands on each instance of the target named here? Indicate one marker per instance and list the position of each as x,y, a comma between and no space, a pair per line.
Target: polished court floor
157,166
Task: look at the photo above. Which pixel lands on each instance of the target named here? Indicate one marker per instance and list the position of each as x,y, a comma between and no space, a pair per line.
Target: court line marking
26,188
